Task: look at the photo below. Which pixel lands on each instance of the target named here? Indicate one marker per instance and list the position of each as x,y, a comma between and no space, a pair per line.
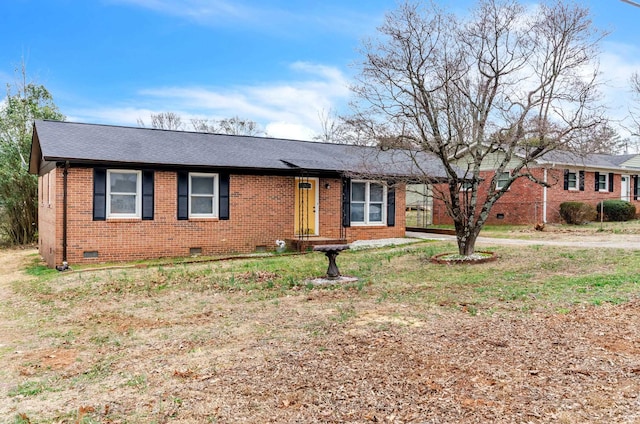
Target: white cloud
287,109
289,130
255,14
196,10
617,63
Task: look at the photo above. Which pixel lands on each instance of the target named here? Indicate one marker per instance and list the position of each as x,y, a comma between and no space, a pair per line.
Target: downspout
544,198
65,173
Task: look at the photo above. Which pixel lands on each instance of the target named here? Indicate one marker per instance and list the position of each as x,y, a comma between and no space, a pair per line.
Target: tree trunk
466,237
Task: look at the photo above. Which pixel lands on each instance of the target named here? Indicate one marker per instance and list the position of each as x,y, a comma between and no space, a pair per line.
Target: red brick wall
261,211
382,231
330,218
523,203
557,194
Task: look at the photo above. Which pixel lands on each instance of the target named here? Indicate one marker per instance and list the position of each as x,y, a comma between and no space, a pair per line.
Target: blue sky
280,63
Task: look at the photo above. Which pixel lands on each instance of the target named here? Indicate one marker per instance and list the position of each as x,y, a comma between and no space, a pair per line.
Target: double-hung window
503,179
203,190
124,189
368,203
572,180
601,181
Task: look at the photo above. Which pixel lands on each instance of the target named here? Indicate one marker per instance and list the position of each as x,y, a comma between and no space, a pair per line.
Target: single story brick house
582,178
113,193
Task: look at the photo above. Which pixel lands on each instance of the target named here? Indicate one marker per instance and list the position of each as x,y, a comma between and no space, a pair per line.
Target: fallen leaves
330,357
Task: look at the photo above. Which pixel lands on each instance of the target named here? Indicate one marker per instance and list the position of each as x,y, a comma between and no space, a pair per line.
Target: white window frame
606,182
138,200
367,203
575,180
214,197
498,186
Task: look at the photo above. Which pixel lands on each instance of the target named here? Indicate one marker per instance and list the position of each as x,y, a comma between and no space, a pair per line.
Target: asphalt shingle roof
93,143
592,160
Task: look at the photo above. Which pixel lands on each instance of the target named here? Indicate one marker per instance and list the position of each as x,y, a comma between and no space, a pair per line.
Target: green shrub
577,213
616,210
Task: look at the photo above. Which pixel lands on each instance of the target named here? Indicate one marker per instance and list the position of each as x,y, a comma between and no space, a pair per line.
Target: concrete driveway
606,240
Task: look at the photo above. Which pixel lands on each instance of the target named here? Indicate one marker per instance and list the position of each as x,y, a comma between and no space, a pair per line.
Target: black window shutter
566,179
597,181
581,181
610,181
391,207
183,195
346,202
147,195
635,187
99,194
224,196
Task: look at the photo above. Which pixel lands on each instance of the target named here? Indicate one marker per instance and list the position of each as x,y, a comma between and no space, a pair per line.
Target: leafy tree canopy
25,102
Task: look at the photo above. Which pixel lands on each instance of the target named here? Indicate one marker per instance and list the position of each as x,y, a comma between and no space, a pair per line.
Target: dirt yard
86,350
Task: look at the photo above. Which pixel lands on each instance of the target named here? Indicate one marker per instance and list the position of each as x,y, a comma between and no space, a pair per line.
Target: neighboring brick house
109,193
588,179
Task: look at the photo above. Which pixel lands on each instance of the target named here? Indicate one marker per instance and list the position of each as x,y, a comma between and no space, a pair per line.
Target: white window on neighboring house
572,180
368,203
203,190
124,194
503,179
602,181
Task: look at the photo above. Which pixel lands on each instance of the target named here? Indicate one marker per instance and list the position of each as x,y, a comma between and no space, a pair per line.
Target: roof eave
35,155
589,167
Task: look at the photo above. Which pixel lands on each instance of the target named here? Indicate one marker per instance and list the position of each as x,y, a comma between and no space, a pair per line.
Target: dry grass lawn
543,335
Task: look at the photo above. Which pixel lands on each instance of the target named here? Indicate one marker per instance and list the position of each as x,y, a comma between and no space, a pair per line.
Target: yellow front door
306,204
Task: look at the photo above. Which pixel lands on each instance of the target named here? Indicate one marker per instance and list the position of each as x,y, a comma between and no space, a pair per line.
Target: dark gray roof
56,141
592,160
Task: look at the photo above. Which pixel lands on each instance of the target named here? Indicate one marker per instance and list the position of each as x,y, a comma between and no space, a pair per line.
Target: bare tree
631,2
238,126
635,113
231,126
606,140
333,128
164,121
498,88
342,129
635,83
202,125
